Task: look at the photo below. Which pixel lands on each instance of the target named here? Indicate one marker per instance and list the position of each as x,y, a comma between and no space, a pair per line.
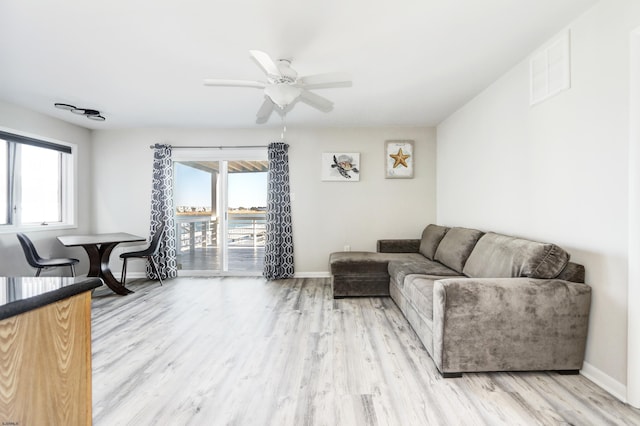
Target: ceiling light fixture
282,94
91,114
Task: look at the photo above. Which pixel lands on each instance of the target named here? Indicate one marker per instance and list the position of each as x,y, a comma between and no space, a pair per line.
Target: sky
192,187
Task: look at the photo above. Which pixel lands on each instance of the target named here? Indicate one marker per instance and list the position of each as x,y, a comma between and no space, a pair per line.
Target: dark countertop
22,294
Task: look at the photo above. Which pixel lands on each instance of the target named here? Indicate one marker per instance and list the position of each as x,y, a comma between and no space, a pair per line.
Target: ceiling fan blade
234,83
265,111
266,63
319,81
316,101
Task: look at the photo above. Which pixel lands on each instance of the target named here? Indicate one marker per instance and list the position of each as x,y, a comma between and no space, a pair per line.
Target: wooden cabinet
45,364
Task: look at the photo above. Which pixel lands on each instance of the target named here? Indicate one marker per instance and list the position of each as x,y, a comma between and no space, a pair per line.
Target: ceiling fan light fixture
283,88
282,94
287,74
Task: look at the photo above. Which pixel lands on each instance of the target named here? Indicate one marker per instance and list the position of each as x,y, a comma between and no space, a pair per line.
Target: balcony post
255,234
192,236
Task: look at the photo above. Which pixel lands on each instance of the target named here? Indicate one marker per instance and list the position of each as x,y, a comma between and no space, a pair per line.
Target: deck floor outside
199,244
240,259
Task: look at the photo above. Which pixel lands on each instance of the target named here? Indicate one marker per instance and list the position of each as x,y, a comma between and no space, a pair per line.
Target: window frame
68,182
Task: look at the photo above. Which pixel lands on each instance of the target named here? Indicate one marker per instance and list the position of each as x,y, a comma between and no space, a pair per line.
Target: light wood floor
243,351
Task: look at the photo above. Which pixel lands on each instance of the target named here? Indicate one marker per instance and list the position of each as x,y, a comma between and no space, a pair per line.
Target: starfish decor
400,158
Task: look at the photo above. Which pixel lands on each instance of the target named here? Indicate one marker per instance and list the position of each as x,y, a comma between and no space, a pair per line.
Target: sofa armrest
509,324
398,246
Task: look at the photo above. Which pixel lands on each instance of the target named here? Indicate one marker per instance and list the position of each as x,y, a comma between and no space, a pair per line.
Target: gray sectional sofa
478,301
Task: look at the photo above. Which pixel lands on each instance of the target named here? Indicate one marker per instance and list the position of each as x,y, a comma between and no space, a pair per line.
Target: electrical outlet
347,248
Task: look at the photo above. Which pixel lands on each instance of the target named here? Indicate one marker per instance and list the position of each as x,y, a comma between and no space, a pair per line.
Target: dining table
99,248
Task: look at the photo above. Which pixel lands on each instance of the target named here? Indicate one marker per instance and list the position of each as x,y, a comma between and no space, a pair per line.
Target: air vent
550,69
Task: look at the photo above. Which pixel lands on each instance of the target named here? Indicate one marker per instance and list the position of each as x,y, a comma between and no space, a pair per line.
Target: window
4,183
36,183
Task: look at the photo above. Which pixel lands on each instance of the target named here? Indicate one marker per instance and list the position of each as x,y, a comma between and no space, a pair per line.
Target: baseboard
214,274
605,381
312,275
132,275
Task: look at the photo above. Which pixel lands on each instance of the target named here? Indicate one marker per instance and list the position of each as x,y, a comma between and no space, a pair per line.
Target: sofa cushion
364,262
456,246
431,237
502,256
419,290
417,264
398,246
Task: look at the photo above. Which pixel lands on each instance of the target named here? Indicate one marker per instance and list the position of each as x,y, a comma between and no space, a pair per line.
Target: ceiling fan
283,86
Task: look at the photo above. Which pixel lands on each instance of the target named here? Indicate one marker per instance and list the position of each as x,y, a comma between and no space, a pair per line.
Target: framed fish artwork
341,166
398,159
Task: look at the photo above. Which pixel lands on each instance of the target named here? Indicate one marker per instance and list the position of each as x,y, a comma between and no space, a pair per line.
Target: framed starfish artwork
398,159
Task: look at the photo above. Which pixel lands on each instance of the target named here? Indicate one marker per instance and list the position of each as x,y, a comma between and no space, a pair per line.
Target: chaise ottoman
361,273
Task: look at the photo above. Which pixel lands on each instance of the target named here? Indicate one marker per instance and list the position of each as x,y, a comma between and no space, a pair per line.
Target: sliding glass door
220,200
246,215
197,220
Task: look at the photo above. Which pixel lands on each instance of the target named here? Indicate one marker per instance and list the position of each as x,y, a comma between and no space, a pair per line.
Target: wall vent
550,69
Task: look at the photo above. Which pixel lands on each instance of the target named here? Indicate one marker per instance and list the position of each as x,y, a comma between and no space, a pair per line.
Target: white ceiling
142,62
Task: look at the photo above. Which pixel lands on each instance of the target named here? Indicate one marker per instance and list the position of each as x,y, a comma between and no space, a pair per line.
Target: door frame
633,283
223,155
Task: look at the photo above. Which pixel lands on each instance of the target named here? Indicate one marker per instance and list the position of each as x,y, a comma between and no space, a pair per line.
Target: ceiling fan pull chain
284,127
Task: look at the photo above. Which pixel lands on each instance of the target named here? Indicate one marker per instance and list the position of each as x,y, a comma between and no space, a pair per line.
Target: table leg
99,266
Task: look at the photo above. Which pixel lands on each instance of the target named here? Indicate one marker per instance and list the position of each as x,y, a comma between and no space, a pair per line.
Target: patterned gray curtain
162,213
278,254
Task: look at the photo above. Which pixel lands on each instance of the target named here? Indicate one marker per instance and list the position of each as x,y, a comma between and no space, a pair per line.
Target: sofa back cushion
502,256
431,237
416,264
456,246
572,272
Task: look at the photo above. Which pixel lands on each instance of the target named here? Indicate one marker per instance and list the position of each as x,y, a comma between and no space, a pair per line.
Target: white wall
326,215
633,342
12,262
557,171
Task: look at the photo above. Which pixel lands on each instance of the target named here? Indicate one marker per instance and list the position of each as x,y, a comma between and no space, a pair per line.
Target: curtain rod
214,147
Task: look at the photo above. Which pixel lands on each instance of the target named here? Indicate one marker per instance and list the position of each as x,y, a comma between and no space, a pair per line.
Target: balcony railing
246,230
243,230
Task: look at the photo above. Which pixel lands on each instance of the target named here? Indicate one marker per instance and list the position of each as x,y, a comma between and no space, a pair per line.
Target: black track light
91,114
